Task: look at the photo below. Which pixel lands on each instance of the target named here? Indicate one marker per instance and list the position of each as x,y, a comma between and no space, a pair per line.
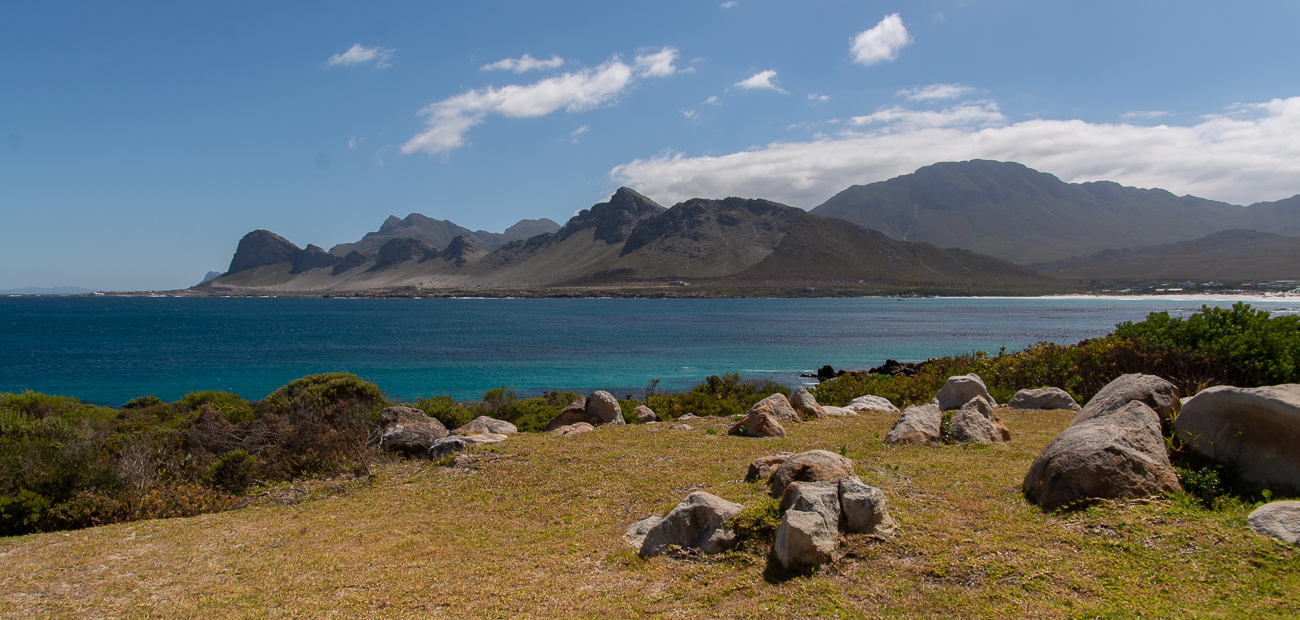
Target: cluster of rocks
820,497
974,421
413,432
598,409
765,418
890,367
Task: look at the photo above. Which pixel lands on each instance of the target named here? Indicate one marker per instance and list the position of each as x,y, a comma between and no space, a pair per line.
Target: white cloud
658,64
1247,155
881,43
730,3
760,81
576,91
579,131
1146,115
523,64
934,92
713,100
691,115
816,98
360,55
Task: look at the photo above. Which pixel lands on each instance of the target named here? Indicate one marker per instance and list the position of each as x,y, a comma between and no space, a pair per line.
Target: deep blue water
107,350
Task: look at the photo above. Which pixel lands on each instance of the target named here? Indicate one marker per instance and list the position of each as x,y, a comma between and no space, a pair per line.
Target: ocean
107,350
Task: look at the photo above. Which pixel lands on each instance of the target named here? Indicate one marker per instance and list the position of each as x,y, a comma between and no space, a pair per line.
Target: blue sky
140,141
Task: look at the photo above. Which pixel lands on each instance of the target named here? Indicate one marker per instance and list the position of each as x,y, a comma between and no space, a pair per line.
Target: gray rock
1256,429
810,466
917,424
779,407
838,412
974,423
957,391
1156,393
863,509
804,540
407,430
644,414
699,522
822,498
604,407
872,404
636,533
806,405
1117,455
573,413
759,422
1281,520
448,446
572,429
485,425
1043,398
763,466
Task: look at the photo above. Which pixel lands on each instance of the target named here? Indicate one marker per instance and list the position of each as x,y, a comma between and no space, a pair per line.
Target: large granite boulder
484,425
1256,429
699,522
872,404
810,525
1156,393
863,509
604,407
1281,520
917,424
810,466
759,422
778,406
763,466
1043,398
806,404
975,422
1115,454
574,413
644,414
407,430
957,391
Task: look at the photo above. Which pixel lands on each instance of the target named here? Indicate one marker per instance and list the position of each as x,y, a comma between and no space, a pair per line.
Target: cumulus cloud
658,64
816,98
358,54
881,43
760,81
935,92
523,64
576,91
1248,154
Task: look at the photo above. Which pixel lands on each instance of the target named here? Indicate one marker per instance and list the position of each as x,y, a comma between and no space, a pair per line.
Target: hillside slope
1231,255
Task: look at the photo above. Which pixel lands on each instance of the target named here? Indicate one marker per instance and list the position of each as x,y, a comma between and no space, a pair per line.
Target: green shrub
498,403
22,513
531,414
445,409
234,407
1257,348
331,391
88,508
141,402
232,473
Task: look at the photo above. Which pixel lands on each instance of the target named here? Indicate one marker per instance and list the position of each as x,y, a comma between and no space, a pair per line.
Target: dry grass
532,528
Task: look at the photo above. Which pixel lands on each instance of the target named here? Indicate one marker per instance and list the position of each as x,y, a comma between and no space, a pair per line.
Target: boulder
1120,454
1256,429
778,406
810,466
635,534
1043,398
763,466
759,422
810,524
407,430
838,412
644,414
574,413
572,429
917,424
872,404
977,423
483,425
604,407
699,522
806,405
958,391
1281,520
1156,393
681,427
863,509
448,446
822,498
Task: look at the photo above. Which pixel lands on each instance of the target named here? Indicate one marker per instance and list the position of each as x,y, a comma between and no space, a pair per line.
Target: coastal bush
725,395
328,391
140,402
232,473
445,409
234,407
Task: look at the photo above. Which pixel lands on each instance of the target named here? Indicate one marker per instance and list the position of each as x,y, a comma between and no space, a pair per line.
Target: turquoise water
108,350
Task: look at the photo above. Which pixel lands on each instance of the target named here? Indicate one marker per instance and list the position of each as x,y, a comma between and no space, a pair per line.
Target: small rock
635,535
572,429
681,427
872,404
1043,398
778,406
804,540
573,413
407,430
838,412
976,423
1255,429
863,509
604,407
958,391
485,425
686,417
759,422
806,405
1281,520
810,466
644,414
699,522
917,424
763,466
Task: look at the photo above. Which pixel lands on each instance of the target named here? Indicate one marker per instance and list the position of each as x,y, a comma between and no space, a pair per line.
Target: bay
107,350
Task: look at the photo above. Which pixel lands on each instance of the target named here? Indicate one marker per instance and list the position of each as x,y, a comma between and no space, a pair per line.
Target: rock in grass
759,422
1043,398
778,406
809,528
810,466
604,407
977,423
484,425
573,413
957,391
917,424
1281,520
1156,393
838,412
863,509
872,404
448,446
644,414
1120,454
572,429
763,466
806,405
635,534
407,430
699,522
1256,429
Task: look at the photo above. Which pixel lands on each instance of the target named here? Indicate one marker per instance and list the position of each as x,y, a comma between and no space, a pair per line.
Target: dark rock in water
399,251
895,367
313,257
353,260
262,247
826,373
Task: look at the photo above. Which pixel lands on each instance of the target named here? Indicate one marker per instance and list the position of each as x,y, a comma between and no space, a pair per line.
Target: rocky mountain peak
613,220
262,247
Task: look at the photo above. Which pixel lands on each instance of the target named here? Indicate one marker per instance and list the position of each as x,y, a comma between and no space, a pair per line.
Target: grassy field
533,528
